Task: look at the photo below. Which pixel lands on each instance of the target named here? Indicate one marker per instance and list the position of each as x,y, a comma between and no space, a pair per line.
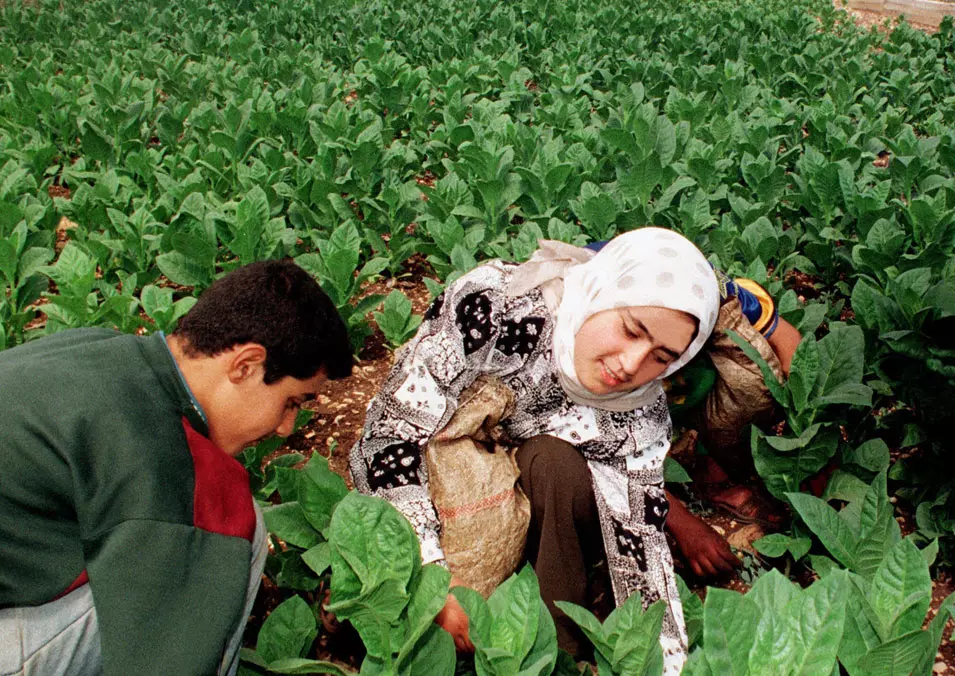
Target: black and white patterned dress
474,329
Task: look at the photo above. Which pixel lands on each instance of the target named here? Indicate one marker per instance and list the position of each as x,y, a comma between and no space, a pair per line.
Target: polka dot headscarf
646,267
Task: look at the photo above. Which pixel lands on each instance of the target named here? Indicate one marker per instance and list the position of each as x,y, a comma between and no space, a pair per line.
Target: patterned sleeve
755,302
420,395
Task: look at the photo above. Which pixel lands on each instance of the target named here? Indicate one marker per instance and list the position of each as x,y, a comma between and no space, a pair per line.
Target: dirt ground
869,19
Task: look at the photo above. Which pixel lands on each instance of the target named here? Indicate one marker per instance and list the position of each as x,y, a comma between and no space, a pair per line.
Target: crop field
389,146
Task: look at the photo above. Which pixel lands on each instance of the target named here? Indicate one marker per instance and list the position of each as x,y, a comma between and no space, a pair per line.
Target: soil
883,22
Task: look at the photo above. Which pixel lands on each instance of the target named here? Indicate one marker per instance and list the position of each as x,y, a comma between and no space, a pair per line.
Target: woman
584,347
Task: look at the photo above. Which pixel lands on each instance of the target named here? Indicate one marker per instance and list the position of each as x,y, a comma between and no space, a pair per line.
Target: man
129,539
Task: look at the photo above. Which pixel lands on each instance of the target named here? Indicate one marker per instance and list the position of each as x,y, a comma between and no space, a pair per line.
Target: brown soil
881,21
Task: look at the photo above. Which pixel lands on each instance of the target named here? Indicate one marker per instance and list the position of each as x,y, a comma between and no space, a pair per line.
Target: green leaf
252,216
597,209
637,647
826,524
288,522
859,633
673,472
820,616
813,314
872,455
845,486
375,557
804,371
761,237
299,665
788,444
901,590
896,657
479,616
692,612
96,145
841,359
155,299
936,630
427,600
182,269
319,491
879,530
514,605
395,319
784,463
777,544
318,558
728,630
288,631
590,625
433,653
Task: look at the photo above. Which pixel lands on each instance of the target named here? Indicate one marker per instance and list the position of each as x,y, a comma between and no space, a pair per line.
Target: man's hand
705,550
454,620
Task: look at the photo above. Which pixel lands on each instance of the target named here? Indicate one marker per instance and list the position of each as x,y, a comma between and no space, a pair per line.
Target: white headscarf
646,267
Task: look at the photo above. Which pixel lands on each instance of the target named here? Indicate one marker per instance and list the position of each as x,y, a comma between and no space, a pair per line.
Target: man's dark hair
279,306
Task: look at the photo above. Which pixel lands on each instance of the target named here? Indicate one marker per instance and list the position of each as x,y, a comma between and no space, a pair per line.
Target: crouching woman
584,347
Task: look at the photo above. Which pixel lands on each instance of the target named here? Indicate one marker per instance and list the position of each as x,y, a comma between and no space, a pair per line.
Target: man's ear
245,361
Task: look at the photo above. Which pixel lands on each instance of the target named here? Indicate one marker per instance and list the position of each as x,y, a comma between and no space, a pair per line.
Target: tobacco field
148,147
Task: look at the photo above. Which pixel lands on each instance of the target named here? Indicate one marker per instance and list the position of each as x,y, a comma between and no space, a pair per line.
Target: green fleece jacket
107,476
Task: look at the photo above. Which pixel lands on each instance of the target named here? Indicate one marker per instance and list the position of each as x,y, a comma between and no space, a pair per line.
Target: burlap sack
473,480
739,396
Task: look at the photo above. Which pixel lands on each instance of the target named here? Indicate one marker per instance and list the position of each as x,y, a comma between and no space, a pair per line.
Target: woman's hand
454,620
707,552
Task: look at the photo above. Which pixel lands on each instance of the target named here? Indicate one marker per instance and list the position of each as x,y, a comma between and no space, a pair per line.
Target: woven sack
473,482
739,396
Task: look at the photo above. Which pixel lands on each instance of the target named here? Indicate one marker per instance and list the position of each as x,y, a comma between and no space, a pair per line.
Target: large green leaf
897,657
637,649
804,371
818,615
420,648
878,529
901,590
841,359
319,491
375,558
288,631
728,630
288,522
827,525
251,216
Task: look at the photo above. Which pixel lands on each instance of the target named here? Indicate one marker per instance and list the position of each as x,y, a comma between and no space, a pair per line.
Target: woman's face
621,349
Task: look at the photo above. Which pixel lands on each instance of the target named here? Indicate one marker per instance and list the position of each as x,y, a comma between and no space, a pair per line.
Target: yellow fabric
765,302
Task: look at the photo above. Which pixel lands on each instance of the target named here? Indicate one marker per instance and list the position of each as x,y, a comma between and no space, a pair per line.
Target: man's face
250,410
621,349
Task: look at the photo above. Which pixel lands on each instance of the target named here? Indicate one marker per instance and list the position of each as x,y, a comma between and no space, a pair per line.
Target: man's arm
784,341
